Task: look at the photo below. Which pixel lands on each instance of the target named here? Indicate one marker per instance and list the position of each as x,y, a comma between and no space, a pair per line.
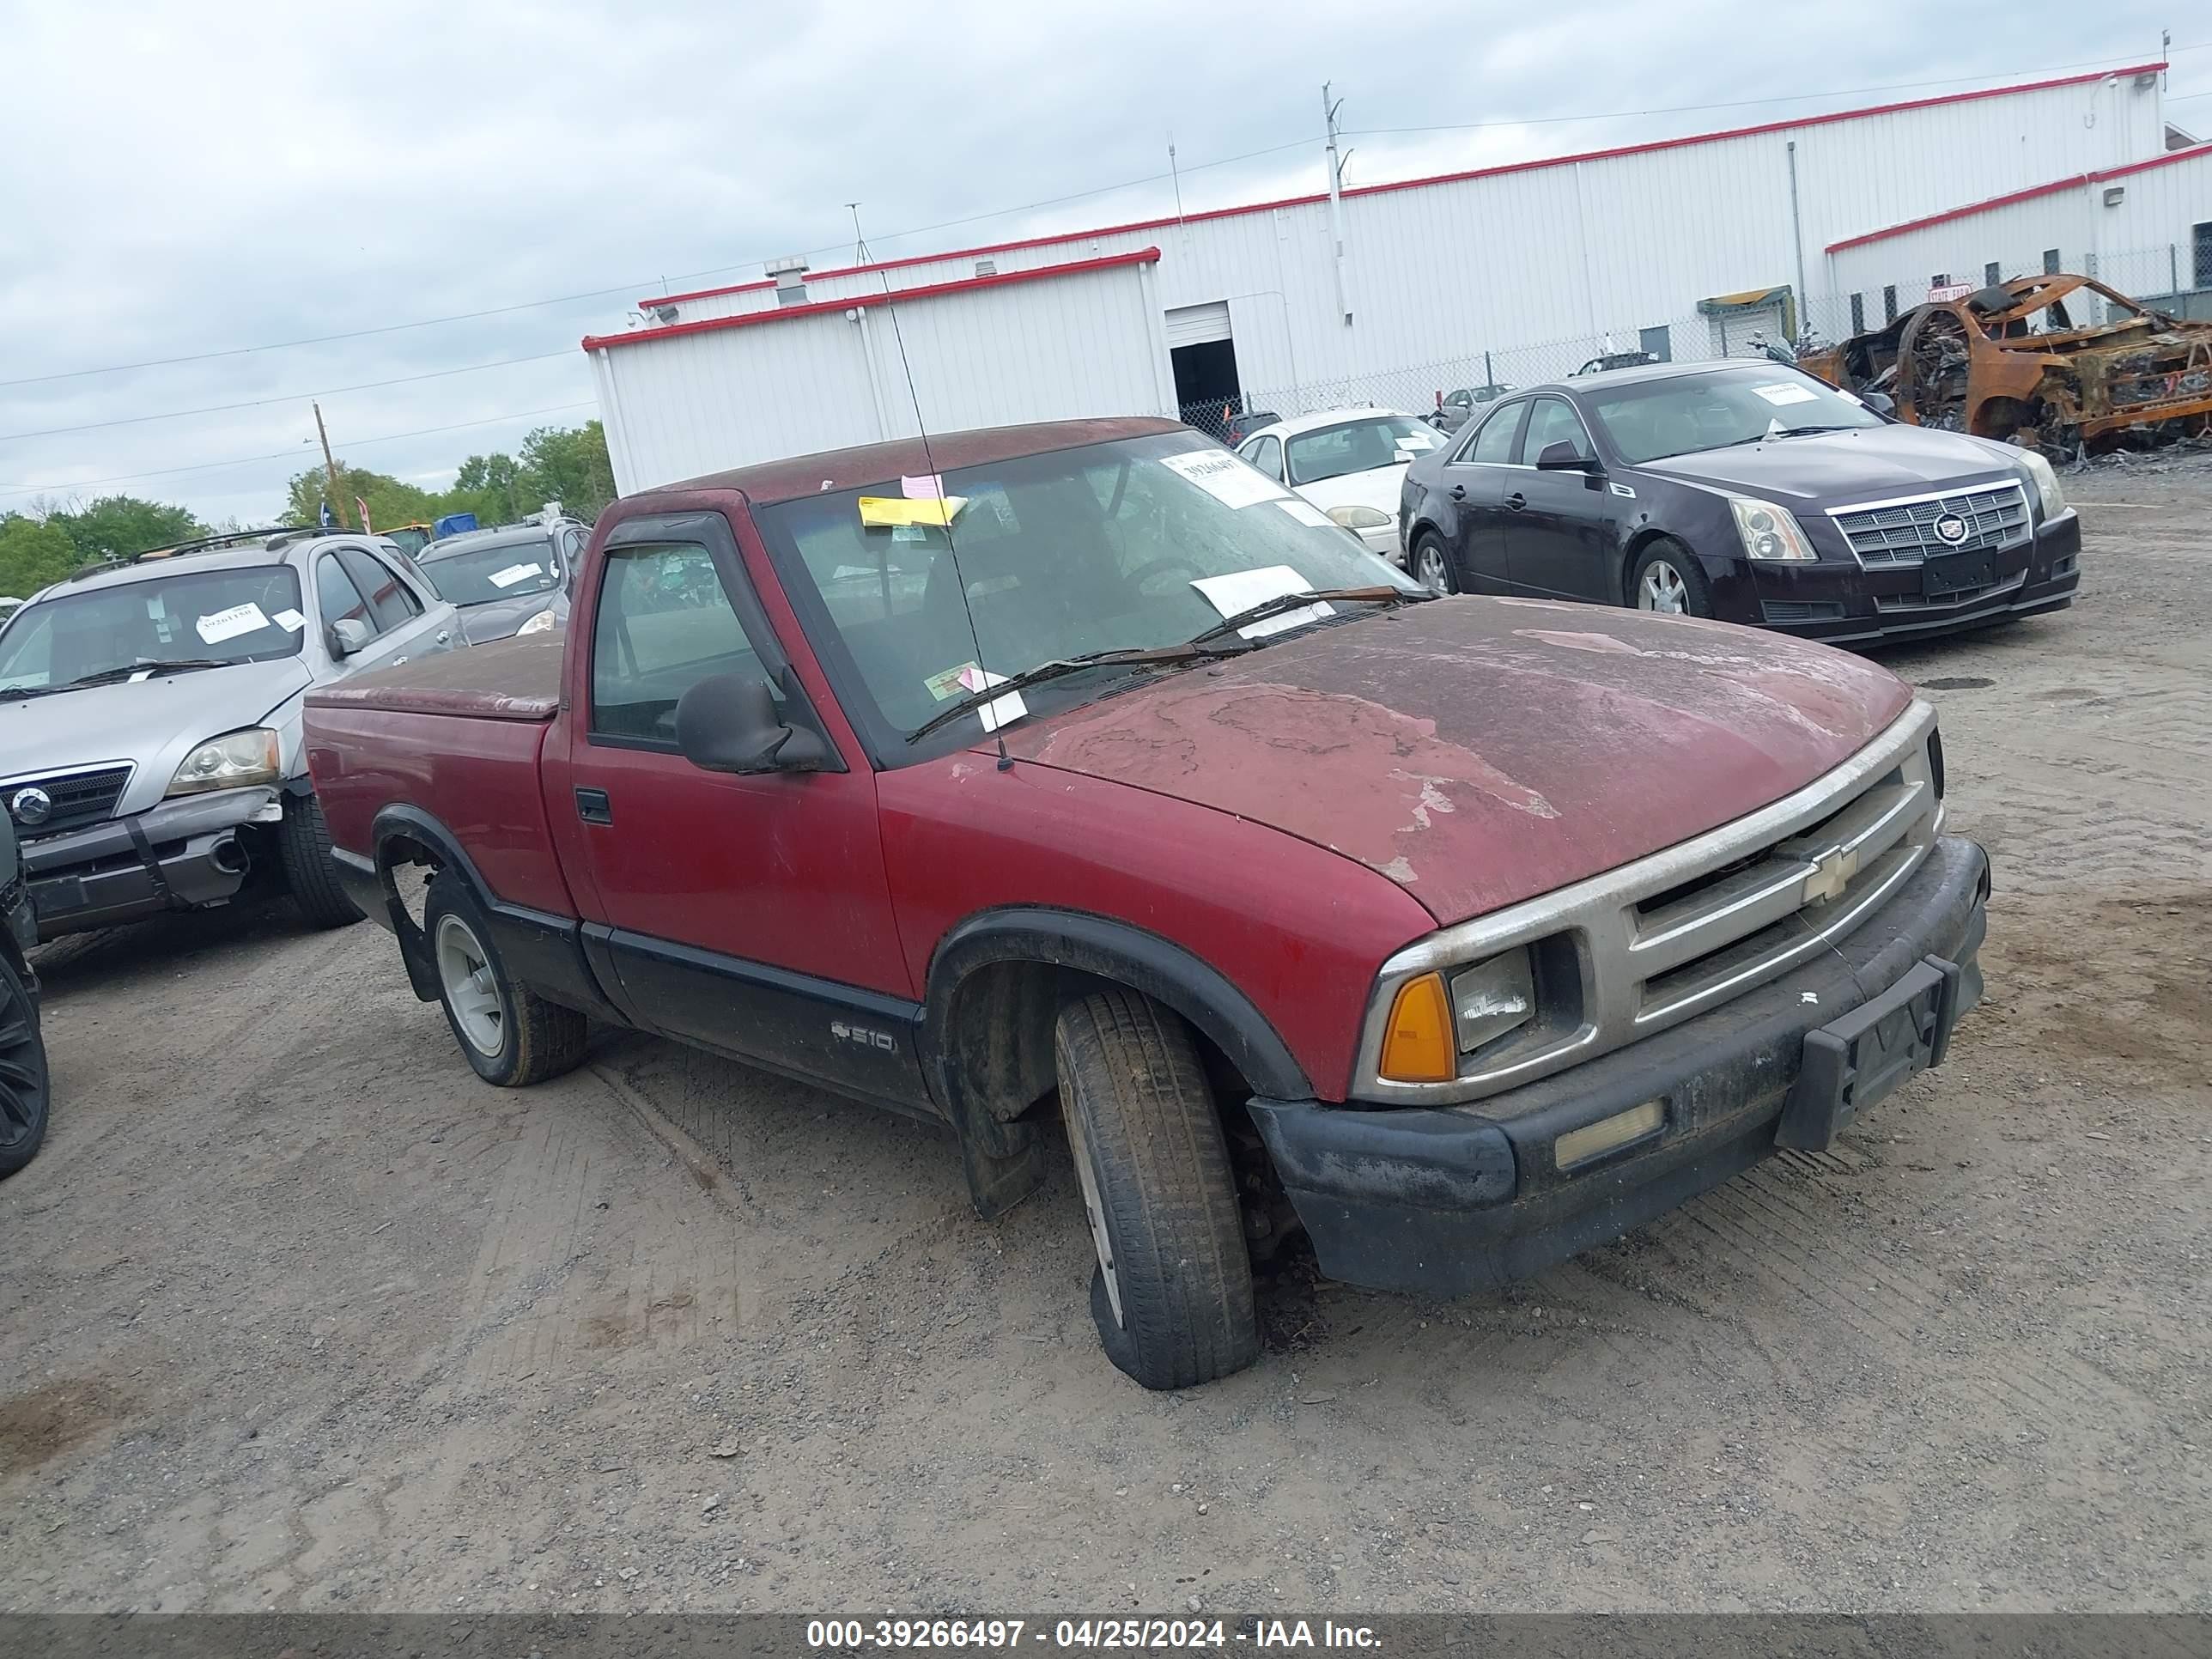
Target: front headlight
1434,1019
2046,483
1769,532
1493,997
540,624
1359,518
229,762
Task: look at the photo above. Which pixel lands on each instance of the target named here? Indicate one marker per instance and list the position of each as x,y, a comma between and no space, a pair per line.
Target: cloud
188,178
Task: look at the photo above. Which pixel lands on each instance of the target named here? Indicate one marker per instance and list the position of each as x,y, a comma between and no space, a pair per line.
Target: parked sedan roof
1291,425
847,469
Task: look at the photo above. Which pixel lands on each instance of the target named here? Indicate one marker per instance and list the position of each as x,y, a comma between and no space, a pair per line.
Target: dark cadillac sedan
1748,491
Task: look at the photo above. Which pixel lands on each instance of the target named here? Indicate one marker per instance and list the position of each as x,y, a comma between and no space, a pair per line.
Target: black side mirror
1564,457
729,723
1880,402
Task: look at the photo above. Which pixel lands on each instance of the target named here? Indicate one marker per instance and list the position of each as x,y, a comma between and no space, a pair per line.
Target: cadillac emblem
1950,529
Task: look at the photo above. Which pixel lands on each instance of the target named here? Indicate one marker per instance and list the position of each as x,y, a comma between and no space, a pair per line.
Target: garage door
1732,330
1196,324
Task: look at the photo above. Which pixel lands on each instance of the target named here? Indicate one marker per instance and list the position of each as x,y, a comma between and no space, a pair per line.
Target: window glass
1267,456
339,600
1553,420
664,624
1655,418
1493,444
1091,548
239,615
390,600
1360,446
475,574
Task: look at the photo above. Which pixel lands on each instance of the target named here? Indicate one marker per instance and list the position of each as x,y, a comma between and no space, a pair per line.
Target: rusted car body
2019,361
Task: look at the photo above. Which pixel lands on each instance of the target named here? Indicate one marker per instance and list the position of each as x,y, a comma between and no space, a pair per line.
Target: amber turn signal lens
1417,1044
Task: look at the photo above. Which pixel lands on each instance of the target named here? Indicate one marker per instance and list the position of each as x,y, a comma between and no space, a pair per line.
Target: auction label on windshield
229,624
1225,477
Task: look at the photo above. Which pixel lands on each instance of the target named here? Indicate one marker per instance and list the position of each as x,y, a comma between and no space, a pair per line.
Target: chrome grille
1888,534
78,799
1684,930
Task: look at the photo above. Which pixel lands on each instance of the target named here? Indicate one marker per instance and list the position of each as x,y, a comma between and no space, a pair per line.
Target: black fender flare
1162,969
402,821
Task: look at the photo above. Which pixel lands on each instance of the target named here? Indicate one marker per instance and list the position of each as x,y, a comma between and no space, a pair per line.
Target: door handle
1516,501
445,636
1459,492
396,661
593,807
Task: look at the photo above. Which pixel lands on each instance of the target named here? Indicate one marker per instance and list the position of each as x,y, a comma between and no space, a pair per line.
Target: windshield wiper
1283,603
146,666
1060,666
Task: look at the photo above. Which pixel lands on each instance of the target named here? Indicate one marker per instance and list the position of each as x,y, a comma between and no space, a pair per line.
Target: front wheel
24,1088
509,1033
303,848
1172,1291
1669,579
1433,566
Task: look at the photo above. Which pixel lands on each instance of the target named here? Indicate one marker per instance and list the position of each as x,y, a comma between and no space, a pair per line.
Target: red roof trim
1645,148
862,301
2033,191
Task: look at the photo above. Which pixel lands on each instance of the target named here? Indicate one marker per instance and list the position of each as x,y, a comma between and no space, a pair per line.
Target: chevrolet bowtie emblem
1832,873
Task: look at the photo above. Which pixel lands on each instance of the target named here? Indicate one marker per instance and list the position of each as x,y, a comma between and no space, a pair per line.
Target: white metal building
1681,246
2144,228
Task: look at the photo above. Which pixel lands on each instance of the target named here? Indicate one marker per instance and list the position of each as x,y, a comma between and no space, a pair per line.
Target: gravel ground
296,1314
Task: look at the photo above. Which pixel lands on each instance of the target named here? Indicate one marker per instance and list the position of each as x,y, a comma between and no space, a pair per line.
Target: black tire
1427,545
534,1039
1148,1147
1689,575
26,1089
303,848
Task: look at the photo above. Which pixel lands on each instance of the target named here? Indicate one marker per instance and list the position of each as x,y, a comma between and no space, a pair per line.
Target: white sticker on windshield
290,621
1225,477
229,624
1415,440
515,573
1306,513
1238,592
1785,392
1000,710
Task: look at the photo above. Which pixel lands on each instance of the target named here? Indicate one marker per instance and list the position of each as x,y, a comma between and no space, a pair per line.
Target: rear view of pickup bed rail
1507,925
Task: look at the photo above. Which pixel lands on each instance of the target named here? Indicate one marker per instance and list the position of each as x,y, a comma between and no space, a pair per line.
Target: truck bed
517,680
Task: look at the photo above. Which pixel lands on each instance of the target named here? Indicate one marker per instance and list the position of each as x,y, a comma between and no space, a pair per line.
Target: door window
337,597
664,624
391,603
1266,454
1493,445
1553,420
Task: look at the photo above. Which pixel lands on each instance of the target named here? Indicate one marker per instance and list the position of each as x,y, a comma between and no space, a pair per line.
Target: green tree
569,465
391,501
33,553
118,524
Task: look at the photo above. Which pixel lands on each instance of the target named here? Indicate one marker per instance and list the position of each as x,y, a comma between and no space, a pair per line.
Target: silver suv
150,754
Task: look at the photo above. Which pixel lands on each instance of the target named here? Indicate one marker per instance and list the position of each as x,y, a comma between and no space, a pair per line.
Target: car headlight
1359,518
540,624
2046,483
229,762
1493,997
1434,1020
1769,532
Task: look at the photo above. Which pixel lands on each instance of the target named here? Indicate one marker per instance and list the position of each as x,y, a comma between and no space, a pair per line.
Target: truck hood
1863,463
1482,752
153,724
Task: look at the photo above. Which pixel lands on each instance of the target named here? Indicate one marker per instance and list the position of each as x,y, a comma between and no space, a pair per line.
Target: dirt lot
296,1314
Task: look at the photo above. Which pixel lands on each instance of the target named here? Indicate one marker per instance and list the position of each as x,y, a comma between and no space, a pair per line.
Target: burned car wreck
2021,361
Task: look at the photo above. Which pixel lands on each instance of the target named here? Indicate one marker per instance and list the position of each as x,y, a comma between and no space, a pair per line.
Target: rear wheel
1669,579
1172,1291
303,847
1431,566
24,1089
509,1033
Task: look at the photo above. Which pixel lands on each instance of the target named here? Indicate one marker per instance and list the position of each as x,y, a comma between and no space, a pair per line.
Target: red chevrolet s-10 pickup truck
1079,772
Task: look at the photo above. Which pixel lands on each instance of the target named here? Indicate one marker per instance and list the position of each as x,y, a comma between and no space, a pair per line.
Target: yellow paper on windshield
878,512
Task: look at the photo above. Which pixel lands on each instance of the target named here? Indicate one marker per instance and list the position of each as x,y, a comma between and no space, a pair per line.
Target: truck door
749,914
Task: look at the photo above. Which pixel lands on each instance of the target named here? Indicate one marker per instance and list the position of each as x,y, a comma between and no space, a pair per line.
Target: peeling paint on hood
1479,751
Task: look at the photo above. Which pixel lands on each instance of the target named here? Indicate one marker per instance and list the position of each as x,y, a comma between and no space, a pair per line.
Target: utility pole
860,256
329,469
1328,108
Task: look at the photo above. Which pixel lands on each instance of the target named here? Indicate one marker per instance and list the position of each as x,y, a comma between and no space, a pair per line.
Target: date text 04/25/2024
1008,1635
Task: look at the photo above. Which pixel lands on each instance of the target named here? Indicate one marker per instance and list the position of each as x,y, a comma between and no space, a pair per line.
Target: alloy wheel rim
23,1066
1430,575
1663,589
1094,1212
465,971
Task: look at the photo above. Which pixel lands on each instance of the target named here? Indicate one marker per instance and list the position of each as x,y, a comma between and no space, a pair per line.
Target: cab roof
767,482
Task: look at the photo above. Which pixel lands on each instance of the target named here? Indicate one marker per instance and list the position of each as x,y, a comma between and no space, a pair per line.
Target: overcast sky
190,180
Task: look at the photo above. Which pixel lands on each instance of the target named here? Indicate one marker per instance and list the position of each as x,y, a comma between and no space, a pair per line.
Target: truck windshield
1143,542
248,614
1649,420
506,570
